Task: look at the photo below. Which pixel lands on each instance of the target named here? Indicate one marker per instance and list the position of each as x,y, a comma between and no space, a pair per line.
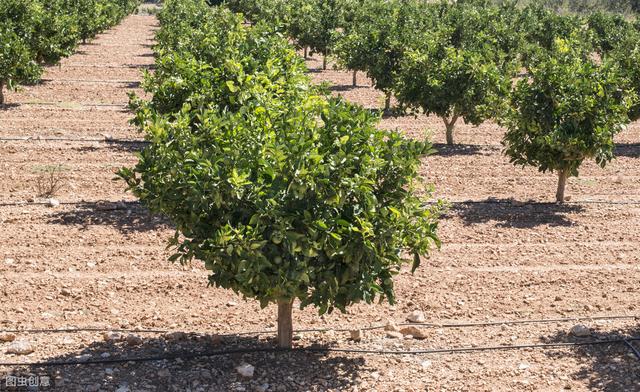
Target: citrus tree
16,61
282,192
568,110
457,69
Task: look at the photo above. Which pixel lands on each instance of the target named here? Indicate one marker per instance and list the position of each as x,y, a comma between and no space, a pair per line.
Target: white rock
524,366
108,371
7,337
416,317
52,202
580,331
9,261
425,364
20,347
245,370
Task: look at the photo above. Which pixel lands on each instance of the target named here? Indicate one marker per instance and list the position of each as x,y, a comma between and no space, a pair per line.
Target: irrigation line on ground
455,204
68,139
632,348
452,350
374,327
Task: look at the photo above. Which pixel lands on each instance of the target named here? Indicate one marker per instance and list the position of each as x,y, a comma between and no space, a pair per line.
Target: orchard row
34,33
576,77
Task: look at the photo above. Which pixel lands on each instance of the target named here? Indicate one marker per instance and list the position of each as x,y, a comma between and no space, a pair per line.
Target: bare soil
100,260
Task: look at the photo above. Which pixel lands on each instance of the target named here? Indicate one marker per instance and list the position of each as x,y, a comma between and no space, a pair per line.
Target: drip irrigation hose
370,328
452,350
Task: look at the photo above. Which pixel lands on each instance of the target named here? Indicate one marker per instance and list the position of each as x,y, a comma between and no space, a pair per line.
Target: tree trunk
355,78
285,324
306,53
1,93
450,125
562,181
387,102
324,61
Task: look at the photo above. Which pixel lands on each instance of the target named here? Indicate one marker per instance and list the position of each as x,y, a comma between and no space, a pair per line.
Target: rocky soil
96,259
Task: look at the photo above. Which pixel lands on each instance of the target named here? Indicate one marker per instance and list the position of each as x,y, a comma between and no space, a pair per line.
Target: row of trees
38,32
576,76
282,191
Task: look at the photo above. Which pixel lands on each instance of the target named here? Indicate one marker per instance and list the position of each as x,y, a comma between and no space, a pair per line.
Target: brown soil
103,265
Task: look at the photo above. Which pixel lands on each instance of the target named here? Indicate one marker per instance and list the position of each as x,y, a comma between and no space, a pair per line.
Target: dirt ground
98,260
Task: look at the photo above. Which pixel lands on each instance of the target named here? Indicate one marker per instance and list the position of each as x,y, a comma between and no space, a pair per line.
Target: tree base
285,324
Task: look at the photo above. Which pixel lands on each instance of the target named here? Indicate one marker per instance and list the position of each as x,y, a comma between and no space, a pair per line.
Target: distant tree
566,111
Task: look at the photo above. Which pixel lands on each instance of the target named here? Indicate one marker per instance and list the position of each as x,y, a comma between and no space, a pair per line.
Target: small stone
580,331
175,336
394,334
65,291
7,337
416,317
245,370
123,388
391,326
112,337
52,203
105,355
425,364
91,264
356,335
557,298
232,303
83,357
524,366
164,373
108,371
9,261
261,388
567,198
20,347
416,332
134,340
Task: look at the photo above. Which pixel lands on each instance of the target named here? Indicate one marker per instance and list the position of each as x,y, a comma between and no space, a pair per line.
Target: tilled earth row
98,260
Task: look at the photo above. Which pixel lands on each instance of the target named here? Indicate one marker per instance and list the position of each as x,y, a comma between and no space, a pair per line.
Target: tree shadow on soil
127,217
609,367
514,214
281,370
346,87
447,150
130,146
629,150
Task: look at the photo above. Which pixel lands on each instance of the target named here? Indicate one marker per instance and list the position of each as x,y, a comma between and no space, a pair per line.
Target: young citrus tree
283,193
568,110
16,60
456,69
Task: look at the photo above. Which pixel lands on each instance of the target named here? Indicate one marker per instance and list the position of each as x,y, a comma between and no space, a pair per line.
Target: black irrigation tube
72,203
90,81
632,348
86,104
455,204
68,139
452,350
424,325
